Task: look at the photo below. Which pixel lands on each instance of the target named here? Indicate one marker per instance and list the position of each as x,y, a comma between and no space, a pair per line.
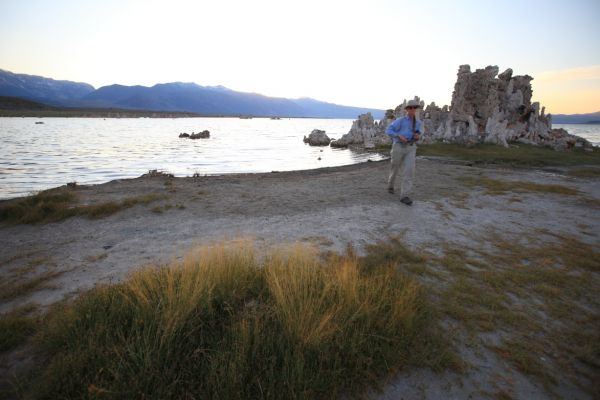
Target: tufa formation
486,107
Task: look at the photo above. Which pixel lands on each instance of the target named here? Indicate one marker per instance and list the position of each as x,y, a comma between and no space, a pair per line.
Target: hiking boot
391,190
406,200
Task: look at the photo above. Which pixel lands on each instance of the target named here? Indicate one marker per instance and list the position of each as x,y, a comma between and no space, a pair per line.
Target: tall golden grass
232,323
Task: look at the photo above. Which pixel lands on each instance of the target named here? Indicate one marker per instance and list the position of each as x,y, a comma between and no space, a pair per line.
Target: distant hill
16,103
172,97
192,98
42,89
322,109
17,107
591,118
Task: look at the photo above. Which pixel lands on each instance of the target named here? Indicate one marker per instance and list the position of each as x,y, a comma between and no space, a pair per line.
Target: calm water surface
95,150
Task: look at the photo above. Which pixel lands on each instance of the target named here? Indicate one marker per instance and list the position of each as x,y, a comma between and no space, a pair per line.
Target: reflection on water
93,150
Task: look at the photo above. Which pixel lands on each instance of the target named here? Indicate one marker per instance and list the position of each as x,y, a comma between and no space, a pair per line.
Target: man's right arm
393,128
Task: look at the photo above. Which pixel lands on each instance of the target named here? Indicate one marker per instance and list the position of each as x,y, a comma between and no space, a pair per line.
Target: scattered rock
38,122
317,138
155,173
184,135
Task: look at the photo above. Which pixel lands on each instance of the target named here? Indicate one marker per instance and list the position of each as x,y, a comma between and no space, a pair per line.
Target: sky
359,53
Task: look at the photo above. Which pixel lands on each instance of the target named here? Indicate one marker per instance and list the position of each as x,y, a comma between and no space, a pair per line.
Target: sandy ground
330,207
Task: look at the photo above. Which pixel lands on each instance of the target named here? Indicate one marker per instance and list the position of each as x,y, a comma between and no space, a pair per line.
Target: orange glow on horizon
570,91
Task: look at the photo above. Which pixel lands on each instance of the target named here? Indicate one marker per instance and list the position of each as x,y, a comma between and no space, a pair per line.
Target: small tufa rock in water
200,135
317,138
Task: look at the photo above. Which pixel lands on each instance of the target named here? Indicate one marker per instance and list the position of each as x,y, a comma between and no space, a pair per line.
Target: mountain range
591,118
176,96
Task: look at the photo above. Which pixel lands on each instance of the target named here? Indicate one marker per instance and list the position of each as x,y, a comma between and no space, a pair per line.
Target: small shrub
229,324
50,205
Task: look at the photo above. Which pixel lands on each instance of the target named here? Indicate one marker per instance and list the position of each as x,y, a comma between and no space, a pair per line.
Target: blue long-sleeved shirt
402,127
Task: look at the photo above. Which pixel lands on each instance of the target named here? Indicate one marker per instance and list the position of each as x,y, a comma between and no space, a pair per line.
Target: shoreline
456,155
167,174
133,114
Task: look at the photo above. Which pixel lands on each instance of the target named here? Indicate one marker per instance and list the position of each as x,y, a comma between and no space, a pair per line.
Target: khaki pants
403,156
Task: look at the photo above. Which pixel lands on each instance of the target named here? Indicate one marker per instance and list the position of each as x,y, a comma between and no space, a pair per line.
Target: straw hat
412,103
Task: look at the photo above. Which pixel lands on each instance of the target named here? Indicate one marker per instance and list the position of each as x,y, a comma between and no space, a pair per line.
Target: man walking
405,132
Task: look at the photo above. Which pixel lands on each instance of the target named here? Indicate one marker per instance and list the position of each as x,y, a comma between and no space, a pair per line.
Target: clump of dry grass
584,172
496,186
16,326
536,294
49,205
18,286
61,203
521,155
534,291
229,323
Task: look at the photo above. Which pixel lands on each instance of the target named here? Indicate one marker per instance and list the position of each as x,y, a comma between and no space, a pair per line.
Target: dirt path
330,207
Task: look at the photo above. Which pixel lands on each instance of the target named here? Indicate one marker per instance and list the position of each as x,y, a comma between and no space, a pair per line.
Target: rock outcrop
365,131
491,108
317,138
200,135
486,107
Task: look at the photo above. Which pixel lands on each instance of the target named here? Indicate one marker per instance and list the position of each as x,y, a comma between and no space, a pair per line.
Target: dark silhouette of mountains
591,118
17,103
42,89
173,97
18,107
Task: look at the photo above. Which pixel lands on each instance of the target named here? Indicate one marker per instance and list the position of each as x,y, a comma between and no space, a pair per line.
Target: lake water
34,156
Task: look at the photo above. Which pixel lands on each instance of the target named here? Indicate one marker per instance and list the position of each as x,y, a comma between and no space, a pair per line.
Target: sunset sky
371,54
